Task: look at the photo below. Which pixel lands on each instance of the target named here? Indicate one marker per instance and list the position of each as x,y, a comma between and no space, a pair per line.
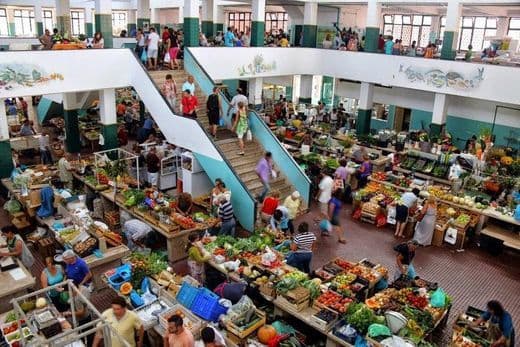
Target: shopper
469,54
226,216
389,45
327,42
269,205
426,226
381,44
174,50
16,247
77,269
210,338
46,40
430,51
81,312
241,126
214,106
124,322
26,129
325,193
153,48
334,209
264,170
396,49
140,43
189,104
177,335
53,274
405,254
229,38
280,219
196,257
239,97
45,150
407,201
292,203
501,331
169,90
152,167
98,41
136,233
302,247
65,171
412,50
189,84
218,190
364,171
232,291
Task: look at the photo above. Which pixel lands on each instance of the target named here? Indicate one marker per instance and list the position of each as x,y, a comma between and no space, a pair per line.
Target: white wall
353,16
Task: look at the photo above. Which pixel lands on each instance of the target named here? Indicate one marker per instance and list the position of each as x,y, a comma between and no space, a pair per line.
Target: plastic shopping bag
221,122
167,57
144,56
249,135
438,298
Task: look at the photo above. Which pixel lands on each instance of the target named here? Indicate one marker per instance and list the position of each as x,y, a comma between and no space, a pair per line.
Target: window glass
4,27
480,22
398,19
48,22
427,20
417,20
406,20
24,22
118,22
77,19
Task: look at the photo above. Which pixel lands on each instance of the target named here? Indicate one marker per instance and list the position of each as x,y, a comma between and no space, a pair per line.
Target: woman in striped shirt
302,247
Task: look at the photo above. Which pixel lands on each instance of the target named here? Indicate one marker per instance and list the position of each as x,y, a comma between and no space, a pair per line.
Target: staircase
227,142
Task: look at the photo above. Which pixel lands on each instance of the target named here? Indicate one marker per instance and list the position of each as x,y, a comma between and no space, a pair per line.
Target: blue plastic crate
217,311
206,306
187,294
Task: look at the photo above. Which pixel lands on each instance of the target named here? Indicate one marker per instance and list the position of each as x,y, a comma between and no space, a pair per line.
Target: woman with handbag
241,126
426,226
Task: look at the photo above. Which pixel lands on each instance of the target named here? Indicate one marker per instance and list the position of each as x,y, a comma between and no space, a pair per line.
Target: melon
266,334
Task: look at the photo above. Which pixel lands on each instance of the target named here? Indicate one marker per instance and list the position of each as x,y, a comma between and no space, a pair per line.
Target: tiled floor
472,277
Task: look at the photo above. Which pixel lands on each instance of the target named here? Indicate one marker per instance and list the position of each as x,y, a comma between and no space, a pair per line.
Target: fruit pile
184,222
329,298
342,305
417,301
102,177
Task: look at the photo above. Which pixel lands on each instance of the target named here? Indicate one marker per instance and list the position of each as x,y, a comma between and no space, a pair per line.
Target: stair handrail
255,114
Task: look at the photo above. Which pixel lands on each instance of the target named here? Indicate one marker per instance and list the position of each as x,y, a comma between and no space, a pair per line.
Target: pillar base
310,33
257,33
371,39
191,32
63,24
436,130
72,138
141,22
130,27
207,28
219,27
6,159
89,29
304,100
109,132
363,122
39,28
157,27
104,25
447,51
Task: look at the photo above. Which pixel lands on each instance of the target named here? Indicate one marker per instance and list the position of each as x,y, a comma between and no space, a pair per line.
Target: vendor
307,139
456,170
196,257
232,291
393,160
405,254
184,204
500,325
226,216
65,170
364,171
16,247
177,335
137,233
77,269
407,201
280,219
81,312
217,191
302,247
292,203
153,164
210,338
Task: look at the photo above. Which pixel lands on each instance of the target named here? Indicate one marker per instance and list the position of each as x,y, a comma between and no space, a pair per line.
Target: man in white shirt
325,194
153,48
45,152
189,85
240,97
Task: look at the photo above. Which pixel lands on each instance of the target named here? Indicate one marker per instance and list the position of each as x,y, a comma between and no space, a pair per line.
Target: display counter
14,283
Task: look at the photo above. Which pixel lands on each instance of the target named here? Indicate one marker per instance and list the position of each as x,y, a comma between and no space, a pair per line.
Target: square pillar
364,112
6,157
220,18
296,83
305,89
258,23
208,17
89,26
310,24
63,17
70,115
155,21
38,19
143,14
372,26
451,32
103,19
255,86
108,116
191,23
439,114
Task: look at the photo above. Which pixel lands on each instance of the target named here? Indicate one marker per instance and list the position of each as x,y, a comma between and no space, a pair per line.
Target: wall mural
258,66
440,79
24,75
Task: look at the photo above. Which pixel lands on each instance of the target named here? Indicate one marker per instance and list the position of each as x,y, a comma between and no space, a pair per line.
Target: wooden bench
510,238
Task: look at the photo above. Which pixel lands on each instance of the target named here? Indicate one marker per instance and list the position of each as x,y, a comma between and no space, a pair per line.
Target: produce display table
25,142
11,288
511,239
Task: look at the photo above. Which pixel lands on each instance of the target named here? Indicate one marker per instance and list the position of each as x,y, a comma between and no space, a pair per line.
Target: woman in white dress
425,228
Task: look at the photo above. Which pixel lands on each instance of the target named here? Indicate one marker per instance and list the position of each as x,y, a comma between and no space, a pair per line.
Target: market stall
15,280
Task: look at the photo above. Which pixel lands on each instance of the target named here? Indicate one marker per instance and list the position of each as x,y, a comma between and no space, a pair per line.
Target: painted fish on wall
441,79
258,66
24,75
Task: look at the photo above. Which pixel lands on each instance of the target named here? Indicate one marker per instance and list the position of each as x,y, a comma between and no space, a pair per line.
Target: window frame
79,17
46,19
466,27
122,22
4,23
513,30
389,21
24,17
242,21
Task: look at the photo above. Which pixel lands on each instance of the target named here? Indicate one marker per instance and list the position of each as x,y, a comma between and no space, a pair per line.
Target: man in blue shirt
229,38
77,270
500,329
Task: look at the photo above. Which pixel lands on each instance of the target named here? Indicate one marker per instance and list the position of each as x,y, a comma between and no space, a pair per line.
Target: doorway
402,118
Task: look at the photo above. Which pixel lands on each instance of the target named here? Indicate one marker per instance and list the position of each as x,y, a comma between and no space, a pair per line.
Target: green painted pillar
257,34
191,32
219,27
104,25
6,159
327,88
131,27
207,28
142,21
12,29
89,29
305,100
157,27
371,39
310,33
363,122
63,24
72,137
435,130
109,132
447,51
39,28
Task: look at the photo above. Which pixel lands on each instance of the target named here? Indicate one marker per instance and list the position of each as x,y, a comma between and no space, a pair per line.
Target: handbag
167,58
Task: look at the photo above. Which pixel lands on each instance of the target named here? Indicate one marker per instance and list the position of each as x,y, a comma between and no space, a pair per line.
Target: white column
191,9
62,8
435,28
306,87
310,13
88,15
258,10
366,96
38,13
440,109
208,10
4,126
103,7
453,13
220,15
296,85
154,17
502,26
180,15
132,16
255,87
143,9
373,14
107,106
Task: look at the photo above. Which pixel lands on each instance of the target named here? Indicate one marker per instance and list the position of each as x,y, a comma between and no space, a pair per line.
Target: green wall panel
371,39
104,25
305,100
447,52
309,35
39,28
207,28
131,27
435,130
72,138
191,32
363,121
63,24
109,132
142,21
420,119
89,29
12,29
327,88
6,159
219,27
257,33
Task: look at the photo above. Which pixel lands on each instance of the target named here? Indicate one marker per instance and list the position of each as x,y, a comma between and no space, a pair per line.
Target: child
196,257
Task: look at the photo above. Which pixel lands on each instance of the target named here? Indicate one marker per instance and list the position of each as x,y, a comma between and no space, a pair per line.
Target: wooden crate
235,330
150,219
297,306
268,289
169,228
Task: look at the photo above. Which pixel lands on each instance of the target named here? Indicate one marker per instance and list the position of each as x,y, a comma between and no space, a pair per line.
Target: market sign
441,79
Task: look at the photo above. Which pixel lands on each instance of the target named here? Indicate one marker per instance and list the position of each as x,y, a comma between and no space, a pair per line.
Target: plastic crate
187,294
206,305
